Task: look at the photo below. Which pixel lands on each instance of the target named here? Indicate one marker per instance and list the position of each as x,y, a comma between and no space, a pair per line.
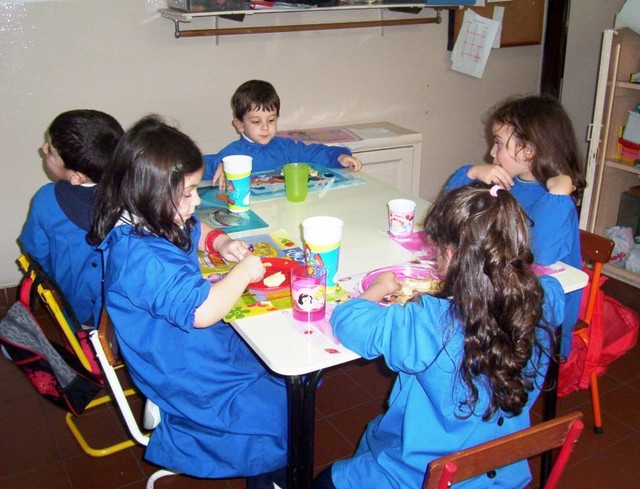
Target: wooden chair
106,346
561,432
596,251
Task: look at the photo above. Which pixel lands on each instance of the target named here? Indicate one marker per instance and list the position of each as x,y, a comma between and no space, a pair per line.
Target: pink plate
402,272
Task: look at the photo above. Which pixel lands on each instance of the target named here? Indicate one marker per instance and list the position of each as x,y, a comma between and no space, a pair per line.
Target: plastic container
632,128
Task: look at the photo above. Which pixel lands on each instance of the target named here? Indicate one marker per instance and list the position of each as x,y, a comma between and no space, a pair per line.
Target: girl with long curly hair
471,358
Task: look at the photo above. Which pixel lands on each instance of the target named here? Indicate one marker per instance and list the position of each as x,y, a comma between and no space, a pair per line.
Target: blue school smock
222,414
424,345
555,236
55,235
275,153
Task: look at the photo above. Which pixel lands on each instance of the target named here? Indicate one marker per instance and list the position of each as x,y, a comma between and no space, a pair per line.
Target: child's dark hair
85,140
542,122
495,294
146,180
254,95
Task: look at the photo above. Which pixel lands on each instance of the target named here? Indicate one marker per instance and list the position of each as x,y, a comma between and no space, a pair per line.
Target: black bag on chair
50,368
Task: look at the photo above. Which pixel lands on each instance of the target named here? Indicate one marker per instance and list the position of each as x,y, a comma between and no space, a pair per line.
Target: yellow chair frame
54,300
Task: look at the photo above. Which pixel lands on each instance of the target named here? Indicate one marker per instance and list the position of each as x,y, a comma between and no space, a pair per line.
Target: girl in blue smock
471,358
535,157
222,414
256,109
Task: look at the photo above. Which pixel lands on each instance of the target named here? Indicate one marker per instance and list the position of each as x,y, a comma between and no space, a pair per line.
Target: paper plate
402,272
274,265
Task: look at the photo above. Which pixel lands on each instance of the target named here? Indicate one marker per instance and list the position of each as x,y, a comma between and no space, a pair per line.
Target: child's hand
218,178
491,174
232,249
560,185
383,284
349,161
252,267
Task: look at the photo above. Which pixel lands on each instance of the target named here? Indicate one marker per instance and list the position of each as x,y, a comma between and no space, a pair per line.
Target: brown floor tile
339,392
52,476
38,451
330,444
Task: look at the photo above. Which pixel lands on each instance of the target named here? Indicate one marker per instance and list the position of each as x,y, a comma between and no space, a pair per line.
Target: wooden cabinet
388,152
607,175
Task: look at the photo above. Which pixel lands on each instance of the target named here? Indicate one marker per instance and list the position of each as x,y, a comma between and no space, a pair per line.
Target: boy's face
258,125
508,152
190,197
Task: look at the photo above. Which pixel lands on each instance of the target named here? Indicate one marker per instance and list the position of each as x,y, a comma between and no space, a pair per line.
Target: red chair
560,432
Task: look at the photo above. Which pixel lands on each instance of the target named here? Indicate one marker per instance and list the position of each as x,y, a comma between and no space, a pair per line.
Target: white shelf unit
608,176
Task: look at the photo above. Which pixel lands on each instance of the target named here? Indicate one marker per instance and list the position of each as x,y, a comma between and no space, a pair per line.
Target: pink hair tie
494,190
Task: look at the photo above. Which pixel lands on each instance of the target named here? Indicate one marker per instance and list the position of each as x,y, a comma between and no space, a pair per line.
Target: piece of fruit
274,280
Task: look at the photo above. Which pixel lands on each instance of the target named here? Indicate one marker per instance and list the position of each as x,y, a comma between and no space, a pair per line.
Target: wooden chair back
596,250
108,341
559,432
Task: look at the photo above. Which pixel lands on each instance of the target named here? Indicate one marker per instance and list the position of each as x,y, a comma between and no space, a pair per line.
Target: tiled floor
38,452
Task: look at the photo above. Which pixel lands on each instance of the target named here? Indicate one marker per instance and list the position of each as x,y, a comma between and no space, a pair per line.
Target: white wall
121,57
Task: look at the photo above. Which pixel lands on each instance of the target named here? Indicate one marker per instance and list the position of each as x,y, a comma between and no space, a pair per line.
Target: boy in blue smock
256,109
536,158
78,146
471,358
221,413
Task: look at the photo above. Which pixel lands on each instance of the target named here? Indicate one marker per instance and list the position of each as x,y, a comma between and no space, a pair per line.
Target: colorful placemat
321,136
269,185
253,302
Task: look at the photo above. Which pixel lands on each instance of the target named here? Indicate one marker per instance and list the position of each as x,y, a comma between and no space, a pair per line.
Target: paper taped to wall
471,51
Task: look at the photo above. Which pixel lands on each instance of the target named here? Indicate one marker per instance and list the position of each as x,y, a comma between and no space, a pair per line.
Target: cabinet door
597,134
393,165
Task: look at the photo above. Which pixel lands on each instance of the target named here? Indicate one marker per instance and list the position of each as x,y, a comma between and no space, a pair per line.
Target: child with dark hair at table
256,109
471,358
78,145
222,413
536,158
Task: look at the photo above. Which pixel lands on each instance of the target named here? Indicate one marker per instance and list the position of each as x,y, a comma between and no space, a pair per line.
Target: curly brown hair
495,295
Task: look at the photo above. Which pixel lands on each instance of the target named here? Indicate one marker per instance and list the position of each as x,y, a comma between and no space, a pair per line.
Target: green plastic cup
296,181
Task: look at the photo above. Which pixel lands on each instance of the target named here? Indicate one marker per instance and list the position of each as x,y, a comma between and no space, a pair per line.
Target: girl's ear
238,125
529,151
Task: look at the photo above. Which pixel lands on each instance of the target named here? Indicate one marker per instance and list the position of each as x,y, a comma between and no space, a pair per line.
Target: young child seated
536,158
78,145
222,413
471,358
256,108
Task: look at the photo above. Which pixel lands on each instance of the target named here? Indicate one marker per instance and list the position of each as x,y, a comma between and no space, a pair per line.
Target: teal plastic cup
296,181
237,172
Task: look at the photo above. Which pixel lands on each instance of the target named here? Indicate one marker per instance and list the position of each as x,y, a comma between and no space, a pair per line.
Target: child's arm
560,185
349,161
218,178
491,174
215,241
224,294
383,284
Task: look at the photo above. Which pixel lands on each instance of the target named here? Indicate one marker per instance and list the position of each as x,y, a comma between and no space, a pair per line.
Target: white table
275,337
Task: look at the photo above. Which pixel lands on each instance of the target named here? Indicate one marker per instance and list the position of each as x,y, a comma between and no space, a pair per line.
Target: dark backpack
50,367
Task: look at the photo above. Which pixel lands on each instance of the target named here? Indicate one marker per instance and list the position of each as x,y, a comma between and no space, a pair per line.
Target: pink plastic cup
308,292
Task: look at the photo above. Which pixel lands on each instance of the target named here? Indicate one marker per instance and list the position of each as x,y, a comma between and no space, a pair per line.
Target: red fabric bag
613,332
